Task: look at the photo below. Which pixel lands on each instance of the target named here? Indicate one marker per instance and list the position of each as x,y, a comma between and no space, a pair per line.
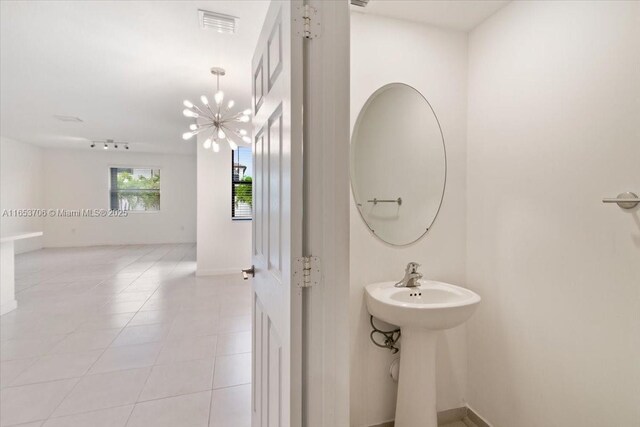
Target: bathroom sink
420,312
431,305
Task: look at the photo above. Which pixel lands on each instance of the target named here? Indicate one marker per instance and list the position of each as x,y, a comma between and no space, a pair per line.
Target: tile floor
120,336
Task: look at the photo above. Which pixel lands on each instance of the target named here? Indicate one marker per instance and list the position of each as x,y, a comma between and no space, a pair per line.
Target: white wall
79,179
554,126
224,245
21,187
434,62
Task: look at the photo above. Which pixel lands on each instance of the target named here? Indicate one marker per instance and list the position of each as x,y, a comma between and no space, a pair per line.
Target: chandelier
218,120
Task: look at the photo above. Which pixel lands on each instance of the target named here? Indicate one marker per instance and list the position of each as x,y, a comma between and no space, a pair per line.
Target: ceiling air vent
361,3
217,21
68,118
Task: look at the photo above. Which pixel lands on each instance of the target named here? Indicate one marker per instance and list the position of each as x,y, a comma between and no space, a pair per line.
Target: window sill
142,212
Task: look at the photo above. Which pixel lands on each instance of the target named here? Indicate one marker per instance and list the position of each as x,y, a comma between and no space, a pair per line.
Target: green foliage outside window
241,183
135,189
243,192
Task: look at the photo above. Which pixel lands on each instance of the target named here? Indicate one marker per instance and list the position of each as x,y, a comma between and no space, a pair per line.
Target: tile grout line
127,404
37,358
87,374
166,256
213,375
46,353
80,379
157,355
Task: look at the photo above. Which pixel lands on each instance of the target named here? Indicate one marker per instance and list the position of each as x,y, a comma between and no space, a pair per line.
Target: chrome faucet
411,276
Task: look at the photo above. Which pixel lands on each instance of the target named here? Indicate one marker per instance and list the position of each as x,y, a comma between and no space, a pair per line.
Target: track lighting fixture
110,143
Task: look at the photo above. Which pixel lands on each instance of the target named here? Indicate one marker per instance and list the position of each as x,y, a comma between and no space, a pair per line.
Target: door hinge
307,271
307,22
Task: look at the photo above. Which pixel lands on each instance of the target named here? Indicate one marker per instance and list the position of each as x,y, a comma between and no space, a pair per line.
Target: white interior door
277,224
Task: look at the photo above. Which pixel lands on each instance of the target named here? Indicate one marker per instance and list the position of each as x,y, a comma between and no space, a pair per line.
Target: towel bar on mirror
626,200
376,201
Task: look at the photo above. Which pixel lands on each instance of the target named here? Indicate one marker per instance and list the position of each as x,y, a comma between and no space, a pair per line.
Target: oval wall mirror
398,164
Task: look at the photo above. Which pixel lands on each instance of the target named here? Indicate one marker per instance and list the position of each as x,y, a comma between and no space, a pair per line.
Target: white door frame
326,342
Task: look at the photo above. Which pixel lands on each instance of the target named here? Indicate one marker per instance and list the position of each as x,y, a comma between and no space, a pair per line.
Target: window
135,189
241,183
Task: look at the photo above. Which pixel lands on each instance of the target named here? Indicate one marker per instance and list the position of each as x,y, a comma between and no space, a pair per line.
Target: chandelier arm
234,117
212,137
199,126
233,131
197,131
218,140
210,110
198,110
233,136
209,123
205,126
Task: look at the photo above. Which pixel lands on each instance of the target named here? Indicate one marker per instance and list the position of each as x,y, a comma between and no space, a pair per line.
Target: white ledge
20,236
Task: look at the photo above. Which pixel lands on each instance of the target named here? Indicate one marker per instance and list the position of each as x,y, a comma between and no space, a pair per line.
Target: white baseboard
476,418
218,272
103,244
8,306
465,414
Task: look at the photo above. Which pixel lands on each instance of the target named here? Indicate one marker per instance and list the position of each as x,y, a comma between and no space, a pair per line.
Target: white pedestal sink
420,312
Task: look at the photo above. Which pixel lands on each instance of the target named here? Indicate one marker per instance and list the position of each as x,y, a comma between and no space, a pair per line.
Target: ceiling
461,15
123,67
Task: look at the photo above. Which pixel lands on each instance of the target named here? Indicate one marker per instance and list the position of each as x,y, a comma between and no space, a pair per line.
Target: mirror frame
369,100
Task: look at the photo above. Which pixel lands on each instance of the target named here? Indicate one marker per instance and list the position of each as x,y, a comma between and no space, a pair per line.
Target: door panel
257,368
275,190
274,377
277,224
258,197
275,55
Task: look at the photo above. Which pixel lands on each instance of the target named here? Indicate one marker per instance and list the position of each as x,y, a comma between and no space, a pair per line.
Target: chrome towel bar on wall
375,201
626,200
